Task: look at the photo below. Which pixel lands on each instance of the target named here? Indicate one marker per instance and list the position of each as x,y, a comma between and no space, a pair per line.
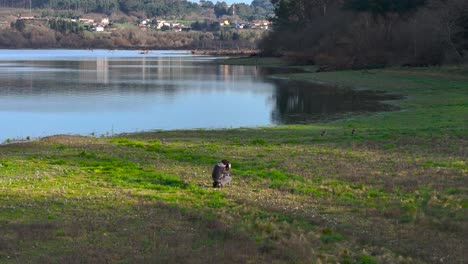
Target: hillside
20,28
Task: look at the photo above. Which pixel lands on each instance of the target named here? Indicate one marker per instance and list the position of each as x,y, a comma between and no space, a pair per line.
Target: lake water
102,92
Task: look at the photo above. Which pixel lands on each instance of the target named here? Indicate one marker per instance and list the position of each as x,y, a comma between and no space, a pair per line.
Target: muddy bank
226,52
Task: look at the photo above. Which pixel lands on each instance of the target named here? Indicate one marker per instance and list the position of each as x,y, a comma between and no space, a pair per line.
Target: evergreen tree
220,9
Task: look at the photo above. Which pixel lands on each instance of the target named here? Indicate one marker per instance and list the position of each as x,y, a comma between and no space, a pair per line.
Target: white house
160,24
105,21
86,20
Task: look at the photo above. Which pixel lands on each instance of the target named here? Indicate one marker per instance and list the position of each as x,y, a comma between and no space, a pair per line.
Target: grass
255,61
395,191
266,63
186,23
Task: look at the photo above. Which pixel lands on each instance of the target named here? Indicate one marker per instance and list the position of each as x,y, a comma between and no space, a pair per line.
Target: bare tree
452,14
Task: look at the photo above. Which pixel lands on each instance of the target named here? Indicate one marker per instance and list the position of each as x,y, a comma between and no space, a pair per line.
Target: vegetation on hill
259,9
132,24
340,34
382,188
62,34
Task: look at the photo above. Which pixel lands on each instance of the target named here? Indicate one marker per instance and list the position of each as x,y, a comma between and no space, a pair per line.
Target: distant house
143,23
265,25
146,23
240,26
26,18
160,24
177,28
260,24
86,21
105,21
171,25
99,29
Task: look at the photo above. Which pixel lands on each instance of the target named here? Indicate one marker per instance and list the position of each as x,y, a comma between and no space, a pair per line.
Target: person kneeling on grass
221,174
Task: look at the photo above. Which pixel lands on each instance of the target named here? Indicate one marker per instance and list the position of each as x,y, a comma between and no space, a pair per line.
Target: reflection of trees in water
301,102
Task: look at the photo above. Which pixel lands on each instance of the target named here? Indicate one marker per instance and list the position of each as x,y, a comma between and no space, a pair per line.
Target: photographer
221,174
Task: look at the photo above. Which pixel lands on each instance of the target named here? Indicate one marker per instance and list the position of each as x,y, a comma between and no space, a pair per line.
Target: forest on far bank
258,9
37,36
343,34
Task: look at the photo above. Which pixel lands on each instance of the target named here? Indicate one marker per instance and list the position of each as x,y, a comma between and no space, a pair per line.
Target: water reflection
303,102
51,92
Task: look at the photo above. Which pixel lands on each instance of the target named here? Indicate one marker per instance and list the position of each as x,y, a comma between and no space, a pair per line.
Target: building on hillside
86,21
259,24
144,23
26,18
177,28
160,24
105,22
99,29
240,26
265,25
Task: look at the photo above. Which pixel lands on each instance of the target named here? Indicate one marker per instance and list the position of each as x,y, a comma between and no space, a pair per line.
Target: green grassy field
395,191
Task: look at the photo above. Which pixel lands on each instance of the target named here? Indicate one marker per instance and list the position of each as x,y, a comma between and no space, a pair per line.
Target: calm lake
103,92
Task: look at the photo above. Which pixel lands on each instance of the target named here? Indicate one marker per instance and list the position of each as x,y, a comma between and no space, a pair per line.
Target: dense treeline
259,9
340,34
151,7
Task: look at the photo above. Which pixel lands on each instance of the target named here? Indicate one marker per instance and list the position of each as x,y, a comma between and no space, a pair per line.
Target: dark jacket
218,171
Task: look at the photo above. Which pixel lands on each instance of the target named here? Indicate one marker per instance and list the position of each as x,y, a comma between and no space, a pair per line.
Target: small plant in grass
347,260
60,232
128,142
86,154
278,184
258,141
406,218
155,145
390,146
329,236
453,191
366,259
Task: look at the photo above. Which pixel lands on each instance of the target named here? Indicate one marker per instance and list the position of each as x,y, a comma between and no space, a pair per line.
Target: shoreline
149,48
226,52
266,62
